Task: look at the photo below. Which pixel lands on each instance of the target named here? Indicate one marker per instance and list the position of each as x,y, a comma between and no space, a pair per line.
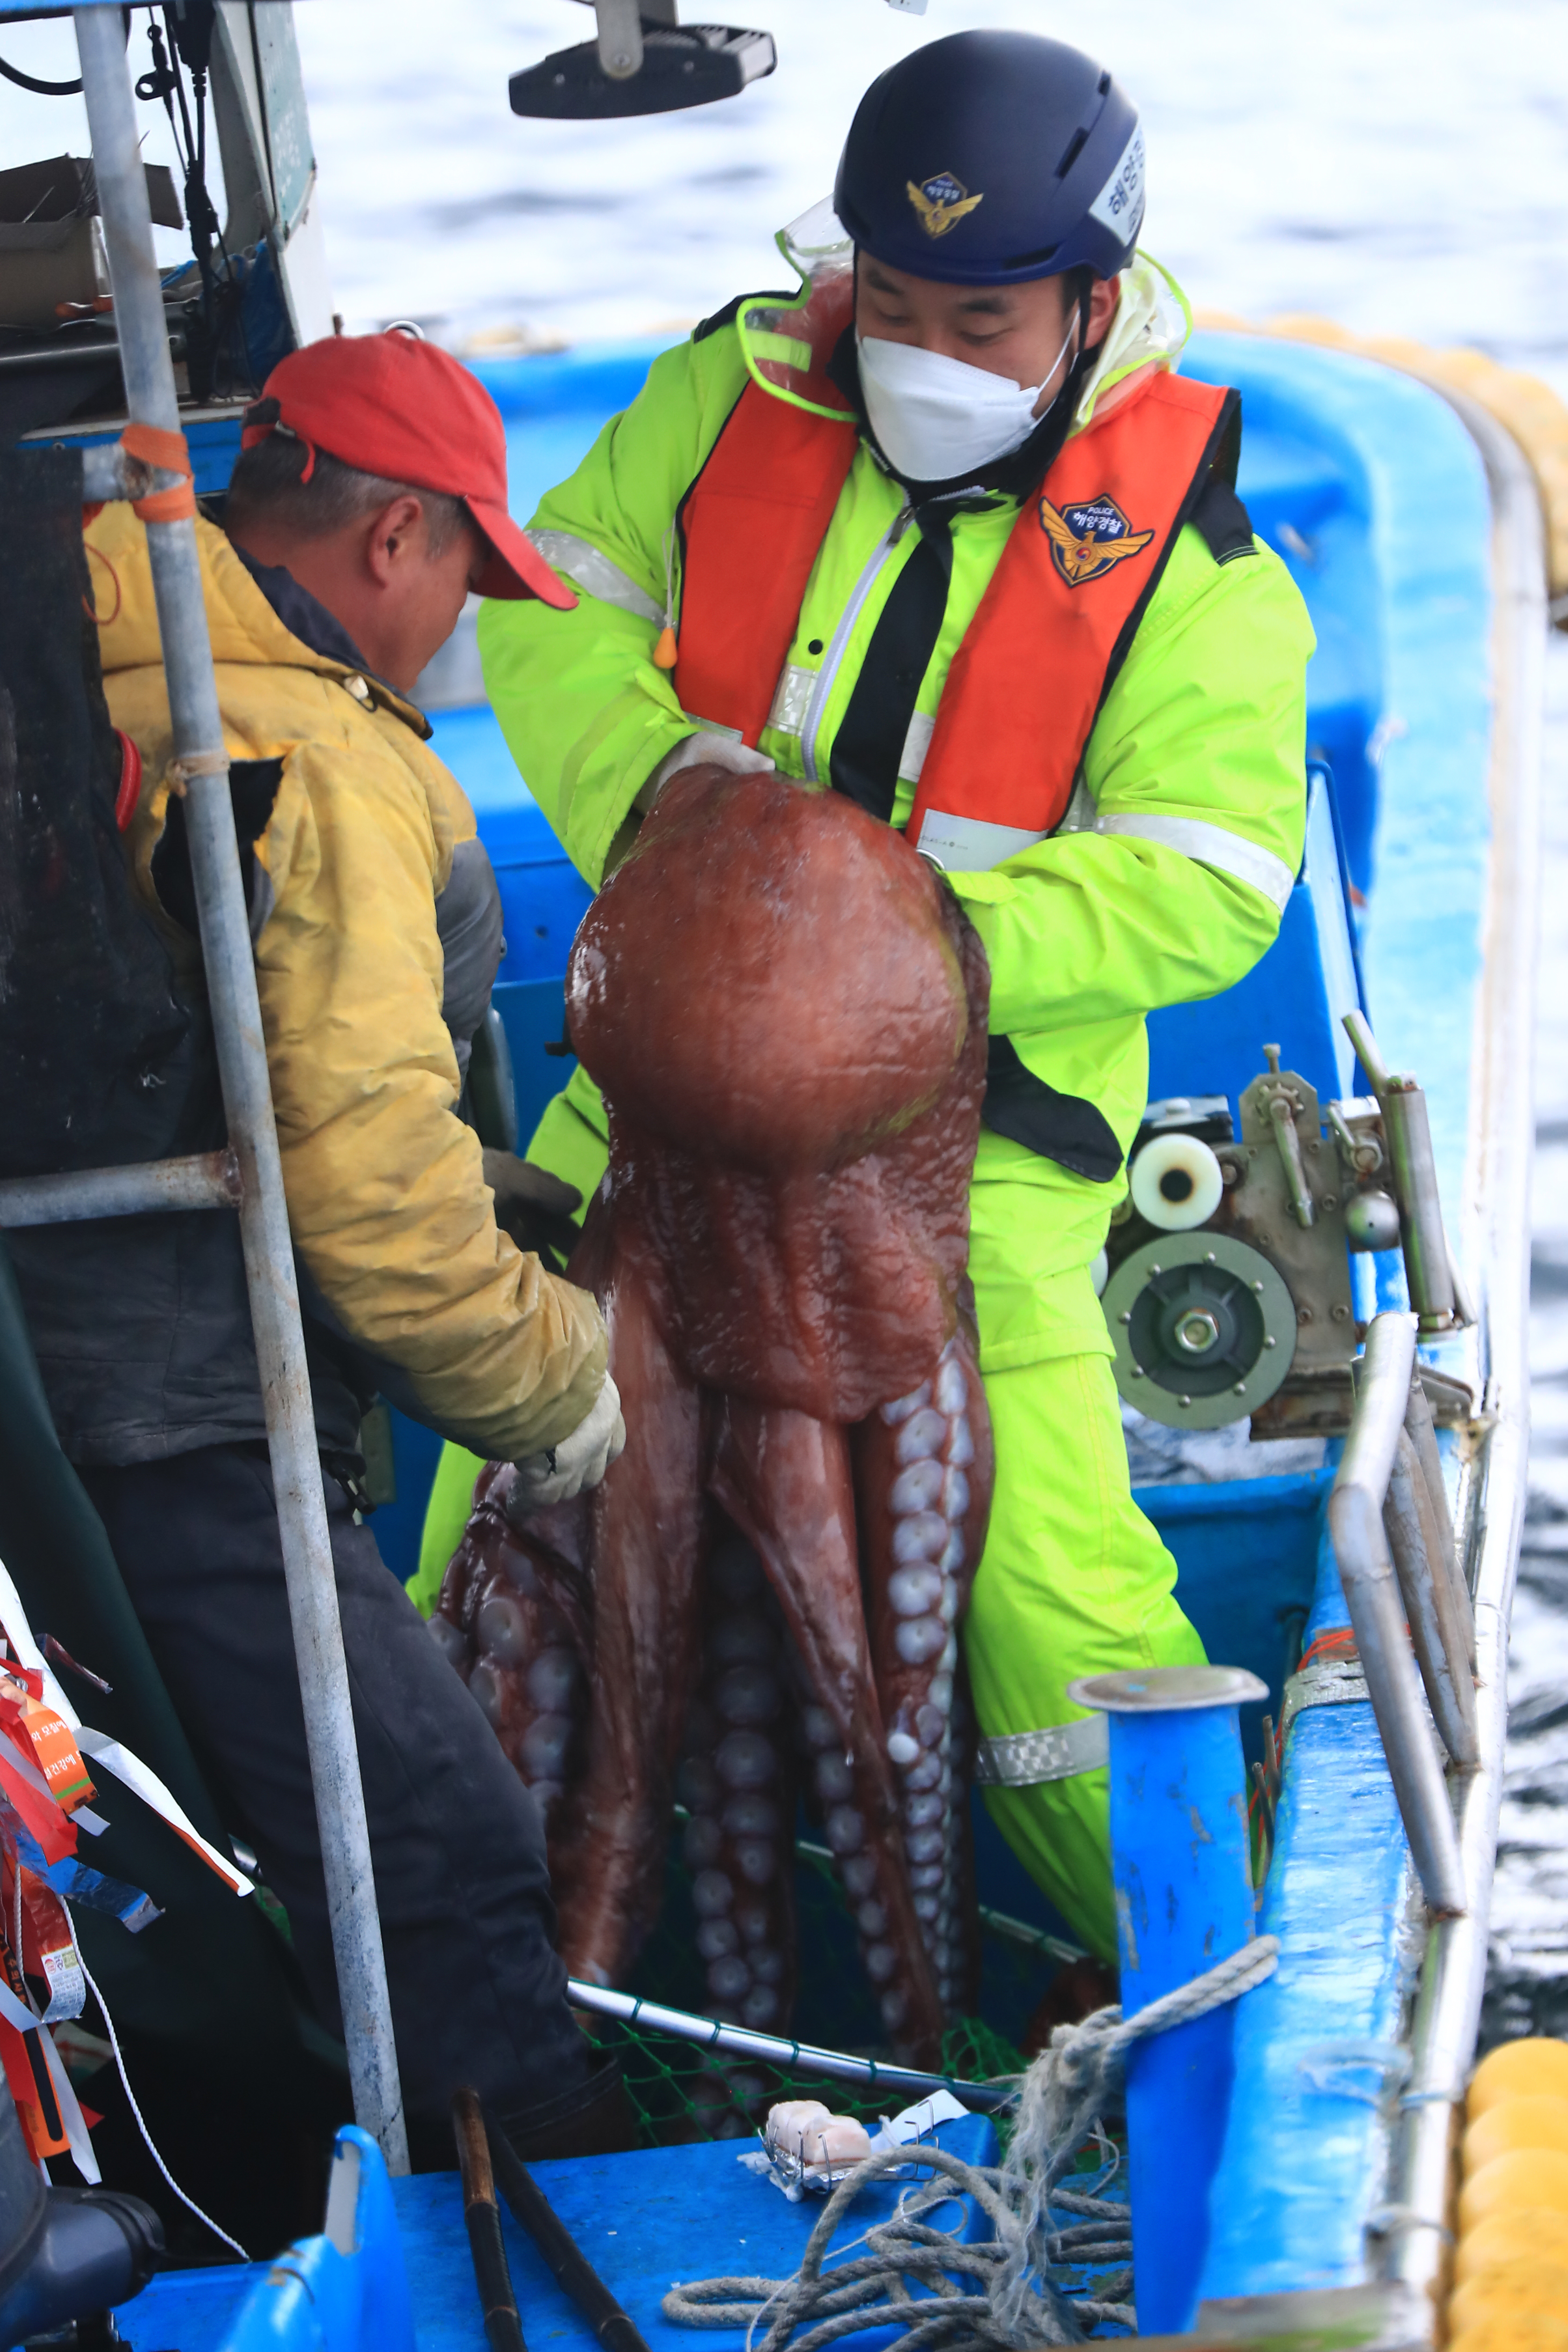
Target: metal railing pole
1436,1633
1422,1432
776,2050
247,1100
209,1180
1355,1525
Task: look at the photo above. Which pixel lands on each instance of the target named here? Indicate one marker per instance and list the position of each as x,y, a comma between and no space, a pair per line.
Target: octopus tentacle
648,1535
784,1479
922,1467
739,1780
502,1623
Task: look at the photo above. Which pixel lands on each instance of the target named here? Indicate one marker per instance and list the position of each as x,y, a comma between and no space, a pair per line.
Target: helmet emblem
940,202
1088,540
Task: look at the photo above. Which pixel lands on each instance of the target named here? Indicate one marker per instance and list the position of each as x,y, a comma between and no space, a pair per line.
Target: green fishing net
683,2091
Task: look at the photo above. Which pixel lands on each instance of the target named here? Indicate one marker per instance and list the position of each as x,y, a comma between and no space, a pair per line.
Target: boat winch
1228,1291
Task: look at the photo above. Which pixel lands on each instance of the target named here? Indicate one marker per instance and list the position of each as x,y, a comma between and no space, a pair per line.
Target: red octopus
786,1012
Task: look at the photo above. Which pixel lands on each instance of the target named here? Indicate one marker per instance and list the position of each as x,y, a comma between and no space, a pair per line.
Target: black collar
304,616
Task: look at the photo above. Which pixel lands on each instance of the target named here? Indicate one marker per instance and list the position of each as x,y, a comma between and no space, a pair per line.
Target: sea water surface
1398,165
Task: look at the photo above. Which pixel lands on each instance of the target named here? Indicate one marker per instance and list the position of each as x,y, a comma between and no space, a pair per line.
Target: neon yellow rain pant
1074,1581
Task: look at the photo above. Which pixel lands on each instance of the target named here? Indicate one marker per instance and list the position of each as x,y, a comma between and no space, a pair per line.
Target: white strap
592,570
1210,845
1023,1760
917,743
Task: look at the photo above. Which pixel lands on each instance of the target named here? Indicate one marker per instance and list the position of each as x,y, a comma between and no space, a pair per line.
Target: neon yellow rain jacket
388,1201
1192,829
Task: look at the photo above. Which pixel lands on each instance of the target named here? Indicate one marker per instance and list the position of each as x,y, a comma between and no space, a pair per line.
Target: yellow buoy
1535,2067
1525,2176
1516,2122
1531,2233
1511,2332
1521,2289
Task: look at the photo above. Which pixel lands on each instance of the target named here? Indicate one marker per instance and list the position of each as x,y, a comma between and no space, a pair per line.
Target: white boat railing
1411,2232
1377,1605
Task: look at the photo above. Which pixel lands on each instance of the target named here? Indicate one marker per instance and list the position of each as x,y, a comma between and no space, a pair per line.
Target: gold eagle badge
940,202
1088,540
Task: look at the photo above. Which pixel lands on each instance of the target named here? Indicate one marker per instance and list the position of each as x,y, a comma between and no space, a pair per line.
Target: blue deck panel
1316,2065
644,2221
1246,1560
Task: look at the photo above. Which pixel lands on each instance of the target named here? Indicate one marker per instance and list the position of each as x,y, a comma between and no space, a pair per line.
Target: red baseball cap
395,406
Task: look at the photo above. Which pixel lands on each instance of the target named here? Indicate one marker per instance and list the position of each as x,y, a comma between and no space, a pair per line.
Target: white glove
579,1461
706,748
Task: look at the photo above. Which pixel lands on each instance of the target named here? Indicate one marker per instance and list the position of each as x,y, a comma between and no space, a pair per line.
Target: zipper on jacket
832,661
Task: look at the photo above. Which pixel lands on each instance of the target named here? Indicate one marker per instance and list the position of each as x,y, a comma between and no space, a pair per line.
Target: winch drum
1204,1328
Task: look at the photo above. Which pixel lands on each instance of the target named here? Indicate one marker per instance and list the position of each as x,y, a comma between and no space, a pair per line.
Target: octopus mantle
786,1014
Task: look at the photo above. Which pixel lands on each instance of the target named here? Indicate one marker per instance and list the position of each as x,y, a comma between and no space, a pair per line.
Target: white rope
1070,2085
188,2202
1011,2301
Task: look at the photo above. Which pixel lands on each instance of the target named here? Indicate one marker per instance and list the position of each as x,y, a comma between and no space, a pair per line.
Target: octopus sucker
739,1780
922,1485
785,1011
787,1481
517,1631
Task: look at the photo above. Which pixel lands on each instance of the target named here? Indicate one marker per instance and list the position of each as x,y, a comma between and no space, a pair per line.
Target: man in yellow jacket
370,499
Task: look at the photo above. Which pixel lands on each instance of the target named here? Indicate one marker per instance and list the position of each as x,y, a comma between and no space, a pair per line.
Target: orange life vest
1051,632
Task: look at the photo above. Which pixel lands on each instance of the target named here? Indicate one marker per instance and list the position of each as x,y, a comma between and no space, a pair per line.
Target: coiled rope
1008,2300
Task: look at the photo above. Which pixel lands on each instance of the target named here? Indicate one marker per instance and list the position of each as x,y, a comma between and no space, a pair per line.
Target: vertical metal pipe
1427,1264
1436,1634
1421,1432
1355,1524
1184,1901
247,1101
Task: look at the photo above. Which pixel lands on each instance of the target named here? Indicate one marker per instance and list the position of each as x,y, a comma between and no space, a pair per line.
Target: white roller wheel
1177,1183
1099,1271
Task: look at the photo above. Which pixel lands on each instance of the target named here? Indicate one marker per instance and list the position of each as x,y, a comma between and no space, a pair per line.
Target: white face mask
936,417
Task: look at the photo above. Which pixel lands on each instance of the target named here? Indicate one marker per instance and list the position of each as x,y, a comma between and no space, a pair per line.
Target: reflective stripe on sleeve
592,570
970,845
1023,1760
1210,845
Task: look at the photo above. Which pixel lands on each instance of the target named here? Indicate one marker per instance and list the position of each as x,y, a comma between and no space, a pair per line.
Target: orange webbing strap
168,451
1339,1644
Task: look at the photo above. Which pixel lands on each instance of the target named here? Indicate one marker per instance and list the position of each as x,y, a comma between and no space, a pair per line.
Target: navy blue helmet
987,158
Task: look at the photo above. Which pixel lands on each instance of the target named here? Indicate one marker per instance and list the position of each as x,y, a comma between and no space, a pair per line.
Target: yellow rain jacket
392,1219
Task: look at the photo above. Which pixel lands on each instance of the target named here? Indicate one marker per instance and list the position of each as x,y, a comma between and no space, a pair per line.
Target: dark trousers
477,1990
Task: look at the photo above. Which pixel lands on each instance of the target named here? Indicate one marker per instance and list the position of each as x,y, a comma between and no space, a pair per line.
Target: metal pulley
1204,1328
